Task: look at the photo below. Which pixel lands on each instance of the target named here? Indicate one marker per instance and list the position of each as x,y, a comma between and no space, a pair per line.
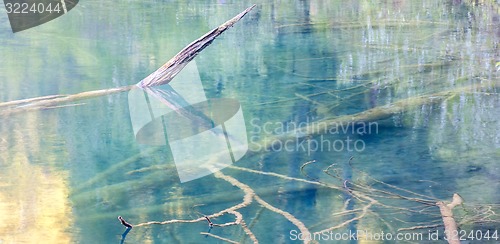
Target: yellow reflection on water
34,205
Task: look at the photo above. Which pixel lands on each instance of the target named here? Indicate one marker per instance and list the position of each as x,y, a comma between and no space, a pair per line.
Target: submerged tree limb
323,126
161,76
247,230
250,192
362,195
450,226
34,104
247,200
29,100
315,128
370,115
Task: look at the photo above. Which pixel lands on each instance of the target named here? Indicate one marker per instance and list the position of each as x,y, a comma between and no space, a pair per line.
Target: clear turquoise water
67,173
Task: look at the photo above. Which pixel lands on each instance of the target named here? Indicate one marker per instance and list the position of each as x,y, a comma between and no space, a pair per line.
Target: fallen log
160,77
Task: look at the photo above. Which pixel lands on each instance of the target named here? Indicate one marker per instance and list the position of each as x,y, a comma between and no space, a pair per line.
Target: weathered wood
28,100
170,69
450,226
161,76
50,101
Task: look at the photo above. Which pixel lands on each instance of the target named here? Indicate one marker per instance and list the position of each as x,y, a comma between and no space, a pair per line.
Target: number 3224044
26,8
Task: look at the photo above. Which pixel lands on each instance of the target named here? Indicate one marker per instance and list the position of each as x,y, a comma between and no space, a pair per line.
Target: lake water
67,171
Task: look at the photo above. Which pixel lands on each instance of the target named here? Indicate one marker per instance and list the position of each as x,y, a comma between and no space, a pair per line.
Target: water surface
68,172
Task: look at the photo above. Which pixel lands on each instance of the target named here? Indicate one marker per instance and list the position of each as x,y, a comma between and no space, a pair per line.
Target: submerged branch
361,194
247,200
34,104
29,100
161,76
450,225
367,116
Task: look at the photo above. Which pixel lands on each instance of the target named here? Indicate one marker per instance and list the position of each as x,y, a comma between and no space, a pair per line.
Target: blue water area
359,117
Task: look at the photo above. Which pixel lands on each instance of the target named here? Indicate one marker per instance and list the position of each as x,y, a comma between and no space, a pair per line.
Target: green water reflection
67,173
